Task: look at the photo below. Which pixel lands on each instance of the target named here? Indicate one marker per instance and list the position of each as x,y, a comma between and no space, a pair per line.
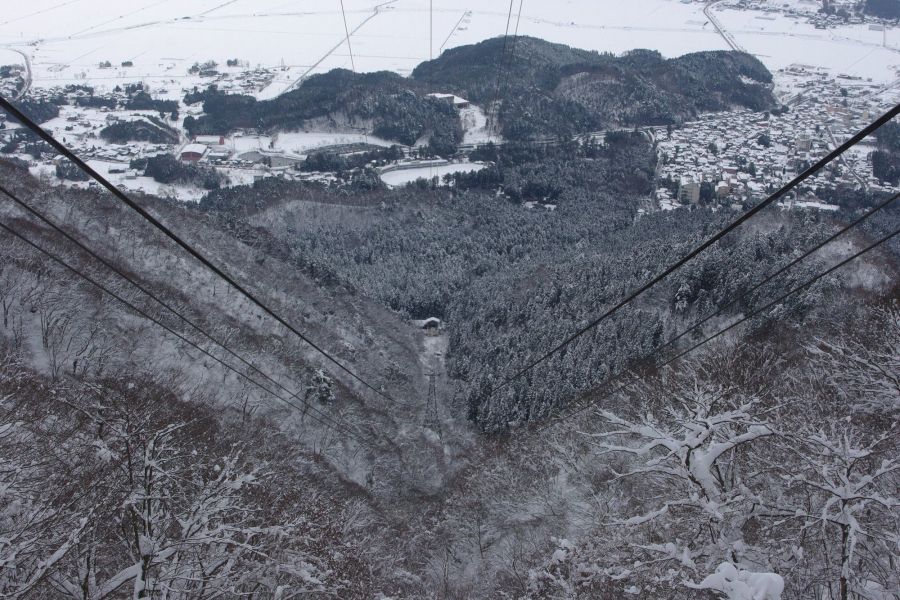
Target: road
729,39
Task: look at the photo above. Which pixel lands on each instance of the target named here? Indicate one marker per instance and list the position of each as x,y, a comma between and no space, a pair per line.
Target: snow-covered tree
864,367
321,389
840,487
686,454
117,490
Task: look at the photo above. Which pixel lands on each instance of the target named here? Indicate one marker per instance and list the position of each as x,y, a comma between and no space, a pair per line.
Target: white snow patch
738,584
405,176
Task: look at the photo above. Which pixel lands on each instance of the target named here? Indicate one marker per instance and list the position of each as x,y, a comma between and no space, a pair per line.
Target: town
739,155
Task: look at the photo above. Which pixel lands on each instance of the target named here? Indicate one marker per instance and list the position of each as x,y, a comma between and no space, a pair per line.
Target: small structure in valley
456,101
431,325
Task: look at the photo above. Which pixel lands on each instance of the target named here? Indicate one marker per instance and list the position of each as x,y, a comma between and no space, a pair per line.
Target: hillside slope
370,339
551,89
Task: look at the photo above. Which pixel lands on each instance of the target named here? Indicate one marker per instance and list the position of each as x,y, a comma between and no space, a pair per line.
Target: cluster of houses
823,14
79,127
237,80
730,157
86,113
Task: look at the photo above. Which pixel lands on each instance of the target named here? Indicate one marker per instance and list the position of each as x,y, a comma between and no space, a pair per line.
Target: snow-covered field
405,176
68,39
779,41
163,38
8,56
300,143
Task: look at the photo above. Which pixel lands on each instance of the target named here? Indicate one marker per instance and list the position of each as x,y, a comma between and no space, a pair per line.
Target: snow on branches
112,489
864,369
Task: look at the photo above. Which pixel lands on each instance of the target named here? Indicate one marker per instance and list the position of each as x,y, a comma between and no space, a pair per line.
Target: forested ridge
544,89
550,89
144,129
382,103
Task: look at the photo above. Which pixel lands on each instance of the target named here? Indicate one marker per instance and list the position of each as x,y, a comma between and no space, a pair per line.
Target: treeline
886,9
165,168
144,129
142,100
25,142
38,110
557,172
132,97
333,162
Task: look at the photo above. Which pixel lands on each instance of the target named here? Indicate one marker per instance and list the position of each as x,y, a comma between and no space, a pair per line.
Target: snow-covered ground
299,143
302,142
475,129
9,57
67,40
814,205
780,41
405,176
